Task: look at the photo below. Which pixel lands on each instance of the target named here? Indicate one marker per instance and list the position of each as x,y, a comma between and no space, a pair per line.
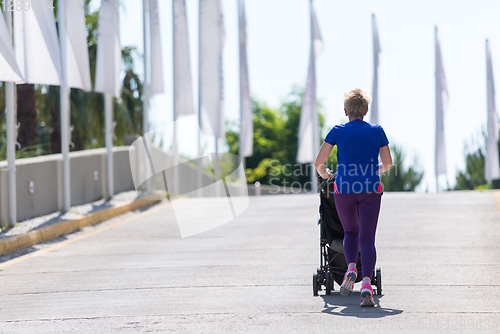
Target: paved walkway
439,254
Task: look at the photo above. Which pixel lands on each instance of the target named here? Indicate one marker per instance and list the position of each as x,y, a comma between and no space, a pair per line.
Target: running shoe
367,295
348,282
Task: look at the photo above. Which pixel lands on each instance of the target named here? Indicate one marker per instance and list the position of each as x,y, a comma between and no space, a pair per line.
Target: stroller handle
323,181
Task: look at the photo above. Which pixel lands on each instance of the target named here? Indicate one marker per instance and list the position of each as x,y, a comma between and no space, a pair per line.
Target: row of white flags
37,59
308,142
492,164
211,80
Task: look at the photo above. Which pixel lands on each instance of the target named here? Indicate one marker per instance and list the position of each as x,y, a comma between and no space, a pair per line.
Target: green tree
275,144
474,174
400,177
129,114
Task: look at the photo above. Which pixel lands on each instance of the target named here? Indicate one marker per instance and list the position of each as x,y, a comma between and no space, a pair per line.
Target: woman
358,190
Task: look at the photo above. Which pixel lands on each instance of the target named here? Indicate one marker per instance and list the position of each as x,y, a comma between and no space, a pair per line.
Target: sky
278,49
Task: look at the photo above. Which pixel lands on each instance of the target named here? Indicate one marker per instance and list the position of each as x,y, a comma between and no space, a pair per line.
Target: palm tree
131,95
87,108
51,108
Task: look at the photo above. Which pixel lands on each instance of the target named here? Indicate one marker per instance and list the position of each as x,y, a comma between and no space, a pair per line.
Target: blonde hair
356,102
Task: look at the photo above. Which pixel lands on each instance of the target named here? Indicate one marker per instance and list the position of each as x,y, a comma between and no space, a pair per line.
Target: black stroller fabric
331,227
333,233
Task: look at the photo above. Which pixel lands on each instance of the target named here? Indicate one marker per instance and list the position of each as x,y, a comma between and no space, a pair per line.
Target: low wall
87,175
89,183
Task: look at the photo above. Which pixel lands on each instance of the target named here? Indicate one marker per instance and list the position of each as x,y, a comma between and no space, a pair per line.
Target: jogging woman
358,190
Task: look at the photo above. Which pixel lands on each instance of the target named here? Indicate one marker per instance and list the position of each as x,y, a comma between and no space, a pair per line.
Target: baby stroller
332,261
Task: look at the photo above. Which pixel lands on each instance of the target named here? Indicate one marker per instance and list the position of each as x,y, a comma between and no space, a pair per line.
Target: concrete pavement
59,224
439,254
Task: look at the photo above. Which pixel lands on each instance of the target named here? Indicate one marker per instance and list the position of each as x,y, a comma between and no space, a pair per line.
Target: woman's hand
328,174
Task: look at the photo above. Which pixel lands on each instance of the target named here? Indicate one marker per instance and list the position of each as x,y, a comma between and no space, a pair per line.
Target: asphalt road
439,254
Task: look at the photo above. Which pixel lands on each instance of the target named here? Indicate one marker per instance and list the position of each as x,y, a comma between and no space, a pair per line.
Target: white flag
156,83
37,46
211,79
246,133
183,99
109,55
308,140
77,71
376,51
492,163
441,102
9,71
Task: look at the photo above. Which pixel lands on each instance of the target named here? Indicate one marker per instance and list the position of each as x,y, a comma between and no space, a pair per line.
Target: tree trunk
27,115
52,106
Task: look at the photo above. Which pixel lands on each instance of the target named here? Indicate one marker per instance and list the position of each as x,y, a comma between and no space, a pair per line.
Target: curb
18,242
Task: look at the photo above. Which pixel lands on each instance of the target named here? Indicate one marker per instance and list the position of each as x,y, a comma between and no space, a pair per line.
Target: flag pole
174,141
487,156
437,105
217,131
65,142
216,160
199,184
145,92
10,95
242,176
314,111
374,112
109,126
106,83
216,168
64,94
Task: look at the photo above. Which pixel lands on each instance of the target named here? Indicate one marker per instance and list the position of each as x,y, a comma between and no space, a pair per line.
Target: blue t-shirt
358,146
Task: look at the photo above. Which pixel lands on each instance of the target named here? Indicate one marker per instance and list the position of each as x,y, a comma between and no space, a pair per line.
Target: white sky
278,50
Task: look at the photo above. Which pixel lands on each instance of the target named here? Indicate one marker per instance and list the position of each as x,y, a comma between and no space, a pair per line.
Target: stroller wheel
328,283
379,281
315,284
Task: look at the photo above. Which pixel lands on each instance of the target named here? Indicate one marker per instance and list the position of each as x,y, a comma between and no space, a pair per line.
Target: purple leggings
359,231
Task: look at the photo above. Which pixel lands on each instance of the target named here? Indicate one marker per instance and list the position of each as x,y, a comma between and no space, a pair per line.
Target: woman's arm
385,156
323,154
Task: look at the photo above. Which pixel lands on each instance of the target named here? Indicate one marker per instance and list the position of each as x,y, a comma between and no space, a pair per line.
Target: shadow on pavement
51,221
56,219
31,249
94,208
335,304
